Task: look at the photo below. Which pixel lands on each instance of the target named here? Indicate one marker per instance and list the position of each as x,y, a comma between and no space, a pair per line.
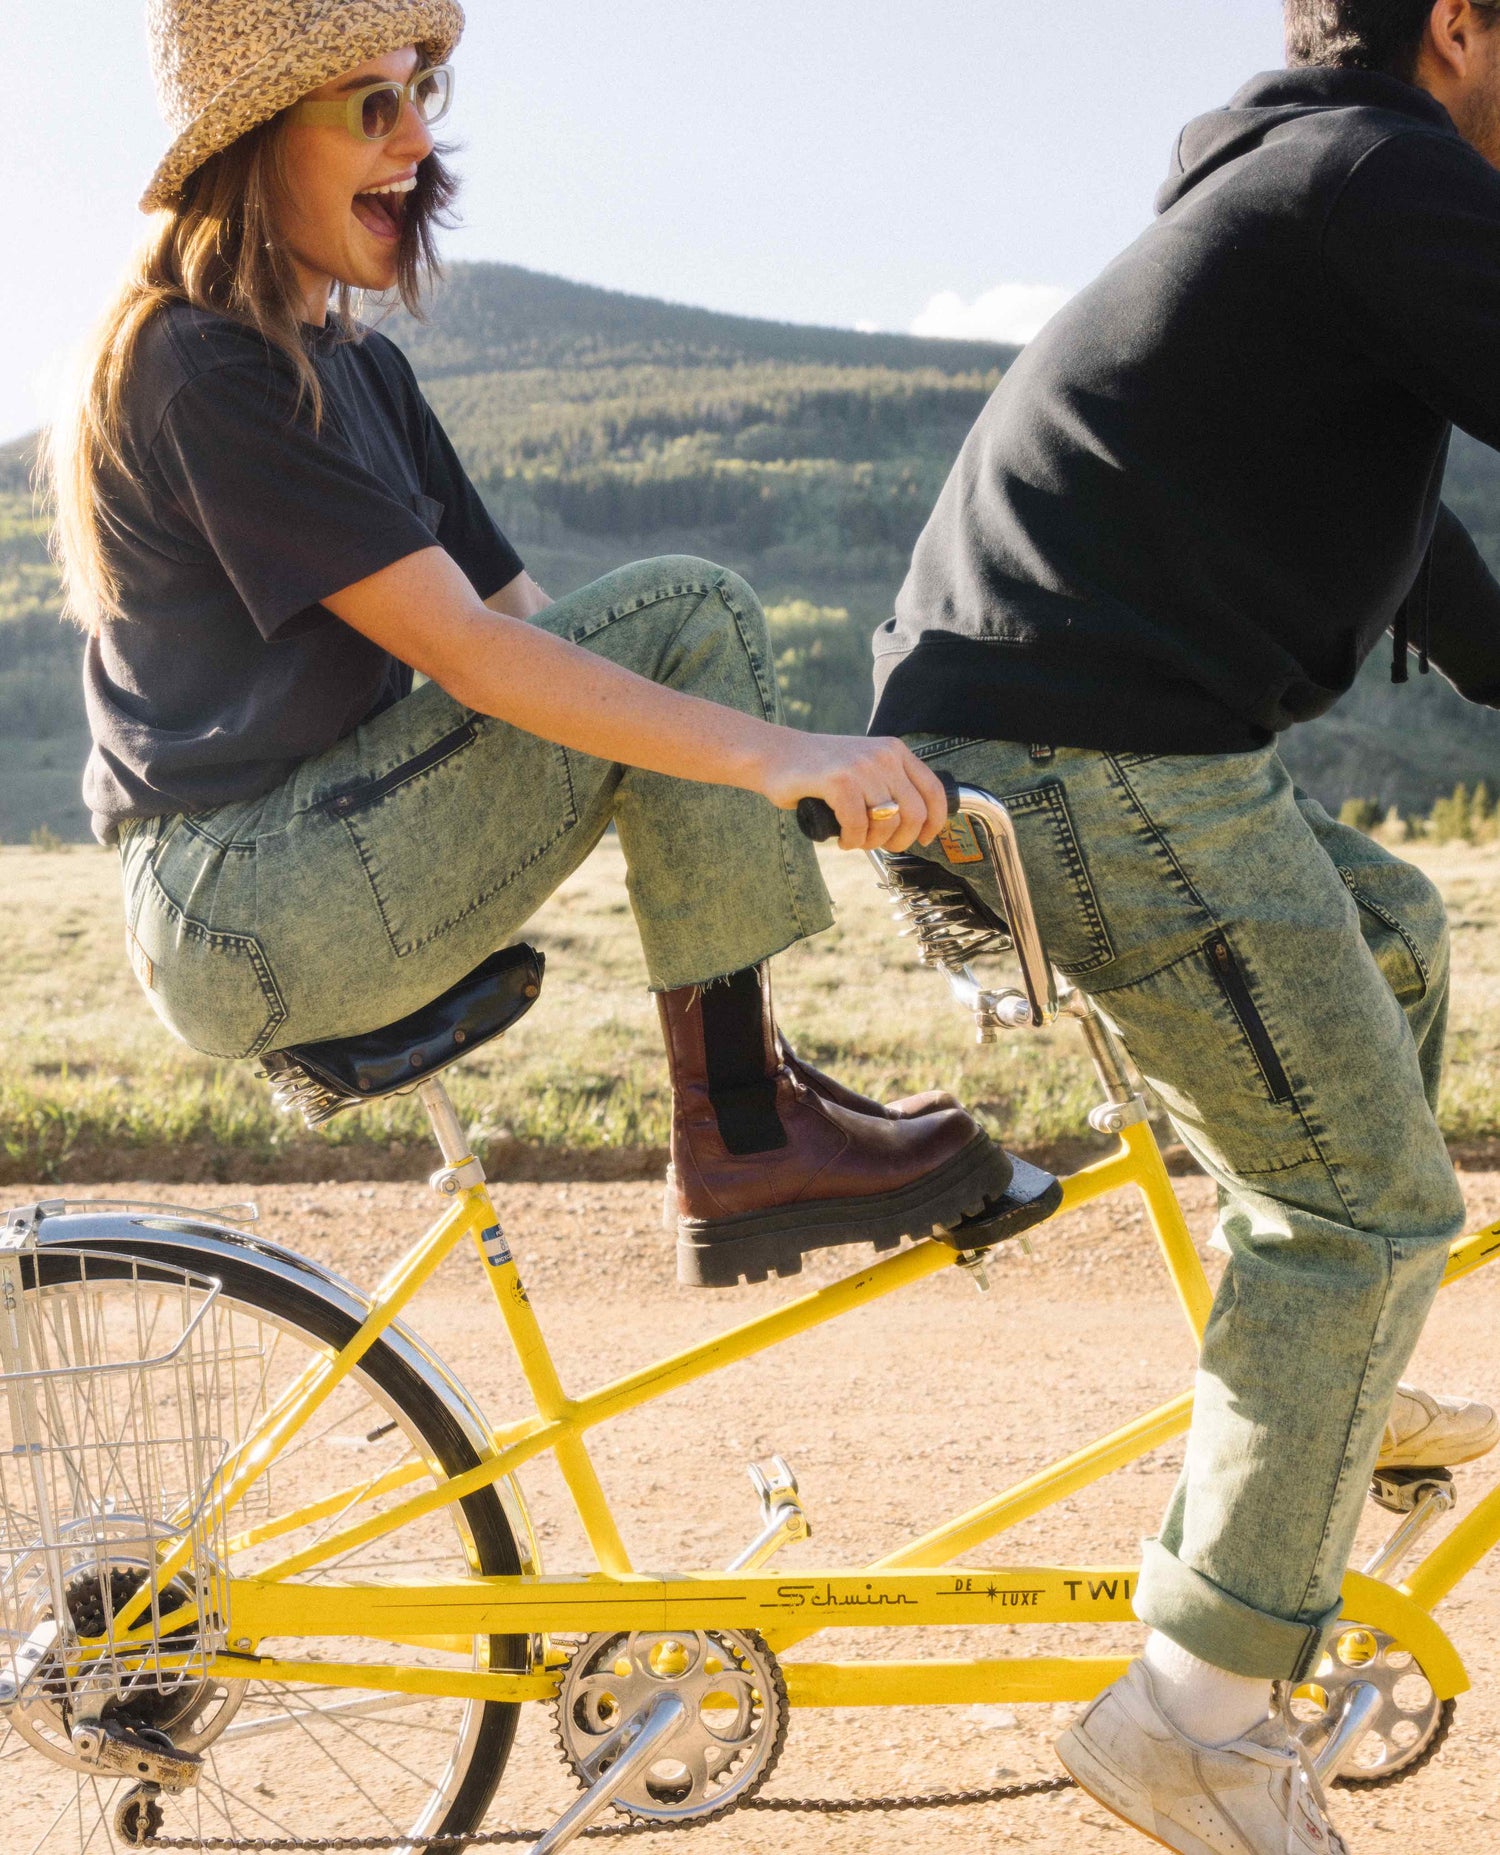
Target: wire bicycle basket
115,1396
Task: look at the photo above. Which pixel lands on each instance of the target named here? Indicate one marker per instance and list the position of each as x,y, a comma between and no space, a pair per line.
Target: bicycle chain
495,1838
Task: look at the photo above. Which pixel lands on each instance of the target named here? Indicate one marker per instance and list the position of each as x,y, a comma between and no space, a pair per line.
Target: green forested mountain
602,427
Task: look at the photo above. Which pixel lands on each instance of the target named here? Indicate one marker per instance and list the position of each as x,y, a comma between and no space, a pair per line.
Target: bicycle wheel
277,1761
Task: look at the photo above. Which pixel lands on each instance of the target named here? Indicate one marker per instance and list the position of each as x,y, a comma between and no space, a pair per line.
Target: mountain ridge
490,316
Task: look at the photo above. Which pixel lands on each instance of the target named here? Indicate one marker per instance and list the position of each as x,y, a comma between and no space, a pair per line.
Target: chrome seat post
446,1126
460,1169
1123,1105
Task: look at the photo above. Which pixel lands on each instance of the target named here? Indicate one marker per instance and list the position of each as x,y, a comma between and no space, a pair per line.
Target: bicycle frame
914,1585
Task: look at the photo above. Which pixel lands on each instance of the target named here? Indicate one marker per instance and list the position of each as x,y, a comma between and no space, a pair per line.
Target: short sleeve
291,515
467,529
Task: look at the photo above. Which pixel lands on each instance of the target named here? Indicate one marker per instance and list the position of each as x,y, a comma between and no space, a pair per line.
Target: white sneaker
1255,1796
1425,1432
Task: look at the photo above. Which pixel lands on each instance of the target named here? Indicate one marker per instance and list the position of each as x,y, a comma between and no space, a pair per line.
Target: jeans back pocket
212,988
1067,907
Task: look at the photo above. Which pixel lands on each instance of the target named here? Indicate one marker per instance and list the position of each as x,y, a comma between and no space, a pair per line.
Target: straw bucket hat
223,66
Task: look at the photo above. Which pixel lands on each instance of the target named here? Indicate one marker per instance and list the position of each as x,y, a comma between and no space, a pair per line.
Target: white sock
1209,1704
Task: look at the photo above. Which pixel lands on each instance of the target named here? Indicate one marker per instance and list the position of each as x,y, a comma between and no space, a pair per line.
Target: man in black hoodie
1195,504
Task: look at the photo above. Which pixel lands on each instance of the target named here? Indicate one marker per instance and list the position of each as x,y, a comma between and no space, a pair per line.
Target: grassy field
94,1088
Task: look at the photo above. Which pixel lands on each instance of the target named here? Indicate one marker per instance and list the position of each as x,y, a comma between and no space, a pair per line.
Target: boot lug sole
723,1252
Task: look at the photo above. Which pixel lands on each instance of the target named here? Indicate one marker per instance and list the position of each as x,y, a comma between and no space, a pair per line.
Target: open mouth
382,210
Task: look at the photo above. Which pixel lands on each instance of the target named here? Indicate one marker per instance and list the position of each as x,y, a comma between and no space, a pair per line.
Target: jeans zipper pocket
454,741
1231,978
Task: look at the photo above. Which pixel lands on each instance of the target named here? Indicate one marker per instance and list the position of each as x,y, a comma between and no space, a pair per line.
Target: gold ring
885,811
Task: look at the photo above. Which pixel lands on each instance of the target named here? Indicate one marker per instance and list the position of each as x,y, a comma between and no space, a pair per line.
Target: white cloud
1009,312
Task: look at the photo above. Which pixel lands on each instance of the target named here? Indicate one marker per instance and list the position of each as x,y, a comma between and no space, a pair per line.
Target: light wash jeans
386,868
1282,982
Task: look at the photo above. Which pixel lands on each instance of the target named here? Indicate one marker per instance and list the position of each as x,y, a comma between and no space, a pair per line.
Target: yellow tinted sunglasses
372,112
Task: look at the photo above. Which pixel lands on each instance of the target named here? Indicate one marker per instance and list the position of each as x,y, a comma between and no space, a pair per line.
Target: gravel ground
908,1411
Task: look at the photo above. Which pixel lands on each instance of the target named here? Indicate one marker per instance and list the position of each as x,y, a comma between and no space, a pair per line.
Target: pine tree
1482,819
1451,820
1363,814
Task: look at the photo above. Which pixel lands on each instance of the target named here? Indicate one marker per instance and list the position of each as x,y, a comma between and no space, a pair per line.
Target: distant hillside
603,427
16,461
493,318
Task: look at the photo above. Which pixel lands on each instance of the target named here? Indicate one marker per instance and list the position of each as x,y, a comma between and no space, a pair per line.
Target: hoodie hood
1269,102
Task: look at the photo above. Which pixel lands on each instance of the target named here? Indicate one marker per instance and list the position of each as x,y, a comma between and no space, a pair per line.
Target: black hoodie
1203,493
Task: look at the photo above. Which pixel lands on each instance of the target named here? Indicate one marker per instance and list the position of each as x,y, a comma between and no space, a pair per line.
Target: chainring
1409,1728
726,1748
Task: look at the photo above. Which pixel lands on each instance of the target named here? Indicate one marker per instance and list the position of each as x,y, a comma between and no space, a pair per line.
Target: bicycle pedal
783,1517
1402,1491
1031,1198
141,1753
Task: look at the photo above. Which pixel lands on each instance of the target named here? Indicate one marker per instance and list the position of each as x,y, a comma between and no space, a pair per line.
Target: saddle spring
950,927
296,1090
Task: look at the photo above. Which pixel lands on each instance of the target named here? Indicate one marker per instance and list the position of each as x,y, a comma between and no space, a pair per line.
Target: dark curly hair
1358,35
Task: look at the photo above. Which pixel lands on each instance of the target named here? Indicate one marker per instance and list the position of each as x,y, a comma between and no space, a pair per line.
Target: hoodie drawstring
1420,596
1424,629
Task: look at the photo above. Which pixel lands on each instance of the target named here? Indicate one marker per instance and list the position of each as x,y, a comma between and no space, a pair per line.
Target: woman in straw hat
265,531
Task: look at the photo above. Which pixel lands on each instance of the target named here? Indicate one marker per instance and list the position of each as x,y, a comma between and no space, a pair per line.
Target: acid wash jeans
385,869
1282,983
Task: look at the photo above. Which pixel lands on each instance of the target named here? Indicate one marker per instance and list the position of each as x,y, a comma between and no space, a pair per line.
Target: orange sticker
959,843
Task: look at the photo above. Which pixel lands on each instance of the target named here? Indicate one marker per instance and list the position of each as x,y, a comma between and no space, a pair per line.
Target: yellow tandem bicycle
251,1525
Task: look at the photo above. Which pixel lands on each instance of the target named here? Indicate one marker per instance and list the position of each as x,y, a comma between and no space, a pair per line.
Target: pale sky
954,166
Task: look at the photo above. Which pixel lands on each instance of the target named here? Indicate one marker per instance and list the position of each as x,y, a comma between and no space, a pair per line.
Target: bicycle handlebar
819,821
997,837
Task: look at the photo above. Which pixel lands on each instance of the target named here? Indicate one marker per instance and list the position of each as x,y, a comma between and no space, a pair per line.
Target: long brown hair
217,250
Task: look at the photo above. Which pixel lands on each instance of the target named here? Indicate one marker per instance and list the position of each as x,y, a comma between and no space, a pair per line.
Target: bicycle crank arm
644,1738
1361,1704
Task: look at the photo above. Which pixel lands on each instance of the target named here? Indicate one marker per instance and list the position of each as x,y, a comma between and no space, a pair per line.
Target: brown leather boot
908,1108
768,1169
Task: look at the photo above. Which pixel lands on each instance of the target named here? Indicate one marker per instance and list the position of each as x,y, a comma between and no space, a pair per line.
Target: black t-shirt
233,519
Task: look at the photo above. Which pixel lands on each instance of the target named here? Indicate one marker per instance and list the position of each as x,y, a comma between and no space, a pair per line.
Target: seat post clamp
1113,1117
449,1181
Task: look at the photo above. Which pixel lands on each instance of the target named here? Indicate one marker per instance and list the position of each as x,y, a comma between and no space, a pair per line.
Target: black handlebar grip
819,821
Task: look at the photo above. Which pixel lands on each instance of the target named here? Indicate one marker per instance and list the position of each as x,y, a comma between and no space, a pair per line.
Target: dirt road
912,1410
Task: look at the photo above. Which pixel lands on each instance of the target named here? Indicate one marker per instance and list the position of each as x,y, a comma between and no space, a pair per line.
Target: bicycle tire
253,1274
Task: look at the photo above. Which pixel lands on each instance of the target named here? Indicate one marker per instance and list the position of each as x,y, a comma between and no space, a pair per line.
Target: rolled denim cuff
1224,1630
